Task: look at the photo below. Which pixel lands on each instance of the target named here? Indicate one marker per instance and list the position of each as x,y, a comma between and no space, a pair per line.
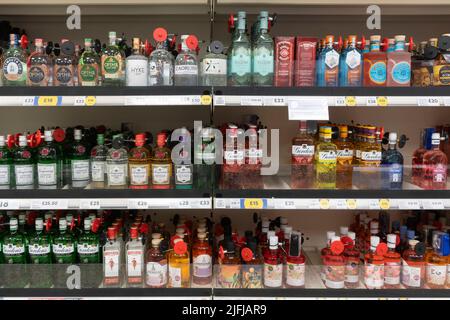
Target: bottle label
344,154
229,276
377,72
38,74
156,274
139,174
88,74
134,263
117,174
392,271
252,276
303,150
137,72
63,249
214,66
98,169
358,154
161,173
263,61
436,274
46,174
353,59
352,271
234,155
175,277
273,275
112,66
411,276
395,173
335,276
13,249
38,250
24,174
80,170
327,156
183,174
14,69
374,275
332,59
371,155
111,263
439,173
5,174
401,72
295,274
202,266
160,73
241,61
188,69
87,249
253,153
64,75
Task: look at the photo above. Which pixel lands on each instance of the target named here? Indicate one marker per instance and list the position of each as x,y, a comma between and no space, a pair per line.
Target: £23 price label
90,204
340,102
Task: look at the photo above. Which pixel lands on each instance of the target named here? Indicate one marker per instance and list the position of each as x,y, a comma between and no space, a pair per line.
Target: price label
385,204
339,204
79,101
141,204
251,101
90,101
374,204
308,109
28,101
428,102
49,204
285,204
350,101
340,102
324,204
351,204
253,204
275,101
409,204
205,203
447,102
205,100
183,204
434,204
235,204
135,101
49,101
371,102
314,204
9,204
90,204
382,101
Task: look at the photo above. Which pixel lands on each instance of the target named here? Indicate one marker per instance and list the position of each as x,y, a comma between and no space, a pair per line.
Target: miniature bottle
413,265
202,260
156,266
374,265
98,162
6,165
117,164
79,161
374,64
350,68
392,264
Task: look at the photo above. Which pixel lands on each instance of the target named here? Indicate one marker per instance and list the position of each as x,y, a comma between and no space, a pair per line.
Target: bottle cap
13,222
2,141
48,135
273,241
161,139
156,242
112,34
391,240
201,236
38,42
39,223
111,233
265,224
201,230
295,245
140,139
444,244
191,42
336,247
87,224
216,47
351,235
330,235
410,234
160,34
77,134
134,233
392,137
374,241
343,231
329,38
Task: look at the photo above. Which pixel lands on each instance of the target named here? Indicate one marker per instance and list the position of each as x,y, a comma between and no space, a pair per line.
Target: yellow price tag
384,204
382,101
253,204
324,204
48,101
90,101
350,101
205,100
351,204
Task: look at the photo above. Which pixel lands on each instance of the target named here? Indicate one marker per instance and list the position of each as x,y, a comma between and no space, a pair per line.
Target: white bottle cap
156,235
201,230
391,240
343,231
77,134
436,136
392,137
48,135
265,230
412,243
288,230
201,236
374,225
39,223
335,238
22,141
374,241
351,235
273,241
330,235
179,231
2,141
156,242
62,223
13,222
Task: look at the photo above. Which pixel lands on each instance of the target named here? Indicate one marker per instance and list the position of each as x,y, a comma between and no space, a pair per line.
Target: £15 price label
49,101
253,204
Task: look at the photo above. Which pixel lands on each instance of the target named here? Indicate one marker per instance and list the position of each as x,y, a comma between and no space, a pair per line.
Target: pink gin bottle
435,166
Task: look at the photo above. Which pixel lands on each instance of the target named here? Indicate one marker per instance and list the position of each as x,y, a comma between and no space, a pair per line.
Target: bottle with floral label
24,167
39,66
263,54
139,164
392,263
113,63
435,162
328,65
156,266
240,56
344,159
179,265
161,61
49,171
252,267
117,164
79,161
413,265
437,261
88,244
39,250
392,165
15,255
273,265
229,273
14,67
6,165
202,260
325,158
374,264
183,167
350,67
295,262
88,66
398,64
98,162
186,63
136,73
64,66
302,160
214,66
161,164
134,259
374,64
334,263
352,260
112,252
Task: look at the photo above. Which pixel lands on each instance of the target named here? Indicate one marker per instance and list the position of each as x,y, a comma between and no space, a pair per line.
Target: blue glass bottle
350,68
328,65
392,165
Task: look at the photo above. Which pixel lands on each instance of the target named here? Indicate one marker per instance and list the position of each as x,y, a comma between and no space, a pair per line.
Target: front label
183,174
202,266
344,154
46,174
371,156
353,59
14,69
134,263
137,72
332,59
111,263
234,155
5,174
174,277
395,173
212,66
273,275
98,169
295,274
80,170
38,250
436,274
304,150
241,61
38,74
87,249
392,272
189,69
411,276
252,276
156,274
334,276
327,156
64,75
13,250
61,249
377,72
117,174
24,174
229,276
88,74
401,73
161,173
263,61
139,174
374,275
112,66
439,173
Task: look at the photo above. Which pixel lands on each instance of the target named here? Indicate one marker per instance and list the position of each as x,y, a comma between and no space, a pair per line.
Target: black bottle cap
68,48
56,49
248,234
229,245
117,143
216,47
97,46
444,42
430,53
420,248
294,245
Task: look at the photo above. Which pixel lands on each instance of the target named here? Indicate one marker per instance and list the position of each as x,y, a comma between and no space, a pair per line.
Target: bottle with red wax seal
413,265
161,164
186,63
155,265
295,262
392,263
352,260
324,252
179,265
112,252
273,265
374,265
135,259
302,160
252,267
334,262
202,260
139,164
229,270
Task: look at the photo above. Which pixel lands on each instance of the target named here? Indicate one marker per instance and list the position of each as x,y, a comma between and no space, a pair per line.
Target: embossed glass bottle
263,54
88,66
14,67
39,66
136,66
239,58
186,63
161,61
113,63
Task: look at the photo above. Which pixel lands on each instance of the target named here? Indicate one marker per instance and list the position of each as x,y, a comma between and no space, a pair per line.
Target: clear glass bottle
117,164
161,61
183,167
136,67
112,267
6,165
302,160
214,66
134,251
240,56
370,161
263,54
24,165
328,65
39,66
325,158
156,266
79,162
139,164
179,265
435,162
98,162
392,165
113,63
413,265
49,171
186,63
437,260
88,66
15,255
374,266
350,67
64,68
14,65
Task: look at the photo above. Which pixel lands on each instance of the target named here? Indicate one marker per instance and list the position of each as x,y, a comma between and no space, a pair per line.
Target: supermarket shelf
335,97
103,96
98,199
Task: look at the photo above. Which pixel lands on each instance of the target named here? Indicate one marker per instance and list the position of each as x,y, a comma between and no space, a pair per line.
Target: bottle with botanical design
88,66
374,64
79,161
252,267
202,260
14,65
273,267
156,266
6,165
352,260
350,68
98,162
49,161
229,273
334,263
39,66
113,63
39,250
325,158
374,265
24,168
328,65
139,164
161,164
15,255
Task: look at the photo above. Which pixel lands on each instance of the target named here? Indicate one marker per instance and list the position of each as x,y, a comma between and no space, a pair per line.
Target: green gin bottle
64,254
263,54
113,63
14,65
240,64
88,249
39,250
79,162
88,66
14,253
6,163
49,163
23,165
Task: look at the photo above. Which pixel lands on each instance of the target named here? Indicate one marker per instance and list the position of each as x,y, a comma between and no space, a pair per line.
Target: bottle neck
375,46
112,41
399,46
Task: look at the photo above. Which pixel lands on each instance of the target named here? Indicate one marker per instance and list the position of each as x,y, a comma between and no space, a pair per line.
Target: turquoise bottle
350,67
328,65
240,57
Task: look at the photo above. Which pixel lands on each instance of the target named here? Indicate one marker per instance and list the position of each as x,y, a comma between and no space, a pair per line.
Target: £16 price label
49,101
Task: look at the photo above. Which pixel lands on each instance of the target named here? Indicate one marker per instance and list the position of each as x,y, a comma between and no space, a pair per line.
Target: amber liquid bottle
392,264
179,266
139,164
229,275
161,164
436,261
202,260
344,167
413,265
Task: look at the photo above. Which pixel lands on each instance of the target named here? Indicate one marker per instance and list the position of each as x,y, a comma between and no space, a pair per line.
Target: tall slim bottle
392,165
79,161
6,165
24,165
98,162
328,65
263,54
325,159
350,67
302,160
136,70
240,62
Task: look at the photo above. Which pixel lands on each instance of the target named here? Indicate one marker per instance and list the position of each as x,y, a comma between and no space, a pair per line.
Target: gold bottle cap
400,38
375,38
136,43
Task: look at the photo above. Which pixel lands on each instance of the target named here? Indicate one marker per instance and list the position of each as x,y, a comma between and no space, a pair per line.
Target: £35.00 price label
90,204
49,101
49,204
428,102
9,204
409,204
253,203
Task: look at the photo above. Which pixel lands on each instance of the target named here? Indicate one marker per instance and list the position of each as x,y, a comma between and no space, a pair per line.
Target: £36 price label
253,204
49,101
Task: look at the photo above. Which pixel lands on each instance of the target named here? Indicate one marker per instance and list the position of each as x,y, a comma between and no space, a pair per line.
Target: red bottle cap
382,249
397,241
180,247
221,253
161,139
144,228
95,225
192,42
48,224
172,240
11,141
160,34
134,233
59,135
411,44
337,247
24,42
347,241
111,233
140,140
148,48
230,22
247,254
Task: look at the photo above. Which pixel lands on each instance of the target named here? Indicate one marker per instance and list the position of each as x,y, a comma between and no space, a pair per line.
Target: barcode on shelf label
409,204
28,101
275,101
49,204
136,101
447,102
90,204
219,100
374,204
371,102
9,204
220,204
433,204
339,102
428,102
251,101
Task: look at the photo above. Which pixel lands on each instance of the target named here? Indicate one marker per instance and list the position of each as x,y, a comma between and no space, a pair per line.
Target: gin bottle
6,165
48,163
113,63
88,245
23,165
350,68
39,66
64,67
139,164
136,67
263,54
186,64
183,165
326,160
14,64
63,248
117,164
214,66
135,259
161,61
328,65
88,66
98,162
14,253
434,166
39,250
392,165
79,162
240,62
112,252
161,164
